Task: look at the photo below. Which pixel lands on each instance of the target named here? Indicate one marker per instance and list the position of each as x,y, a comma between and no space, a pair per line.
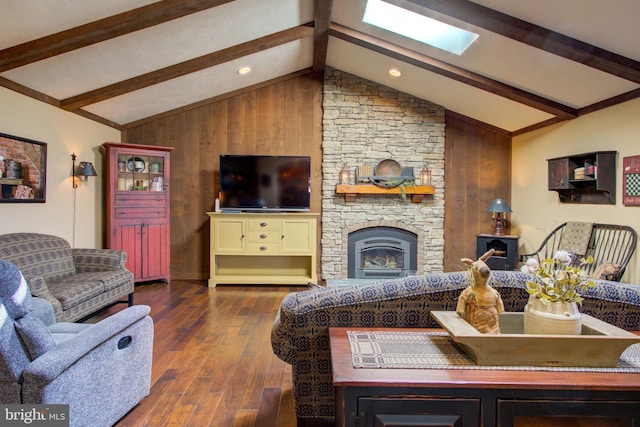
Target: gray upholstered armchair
100,370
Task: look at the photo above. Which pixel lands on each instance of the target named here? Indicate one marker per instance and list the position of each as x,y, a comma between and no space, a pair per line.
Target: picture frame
23,170
631,181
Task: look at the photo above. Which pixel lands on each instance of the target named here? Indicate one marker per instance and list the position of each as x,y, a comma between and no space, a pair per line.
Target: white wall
64,133
537,210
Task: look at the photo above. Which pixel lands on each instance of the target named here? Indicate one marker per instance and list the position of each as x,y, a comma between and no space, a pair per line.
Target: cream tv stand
263,249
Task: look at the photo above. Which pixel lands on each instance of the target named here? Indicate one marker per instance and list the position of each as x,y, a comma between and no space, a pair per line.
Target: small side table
506,247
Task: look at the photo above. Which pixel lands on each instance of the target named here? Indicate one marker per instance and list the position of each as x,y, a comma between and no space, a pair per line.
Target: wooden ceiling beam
187,67
101,30
322,21
530,34
452,72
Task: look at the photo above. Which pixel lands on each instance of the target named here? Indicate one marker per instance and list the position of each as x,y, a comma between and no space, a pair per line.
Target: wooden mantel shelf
417,192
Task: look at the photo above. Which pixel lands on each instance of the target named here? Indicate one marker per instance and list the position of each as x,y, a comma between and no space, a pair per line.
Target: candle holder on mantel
425,176
345,175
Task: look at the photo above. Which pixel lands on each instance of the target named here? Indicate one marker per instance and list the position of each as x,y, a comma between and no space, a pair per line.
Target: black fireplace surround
381,253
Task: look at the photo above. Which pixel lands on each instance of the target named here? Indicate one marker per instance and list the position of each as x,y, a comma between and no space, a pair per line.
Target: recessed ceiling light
395,72
417,27
244,70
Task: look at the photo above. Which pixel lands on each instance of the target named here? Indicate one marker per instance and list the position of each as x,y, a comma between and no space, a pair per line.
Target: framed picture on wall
23,170
631,181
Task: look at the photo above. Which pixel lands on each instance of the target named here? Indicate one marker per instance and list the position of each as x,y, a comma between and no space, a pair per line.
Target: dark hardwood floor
212,358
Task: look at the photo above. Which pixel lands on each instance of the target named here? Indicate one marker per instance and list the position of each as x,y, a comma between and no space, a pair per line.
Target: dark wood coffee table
469,397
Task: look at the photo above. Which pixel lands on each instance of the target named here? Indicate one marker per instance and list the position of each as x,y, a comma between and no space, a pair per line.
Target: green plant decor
402,184
559,279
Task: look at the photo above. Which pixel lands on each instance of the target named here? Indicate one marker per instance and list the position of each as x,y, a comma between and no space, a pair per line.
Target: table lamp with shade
499,208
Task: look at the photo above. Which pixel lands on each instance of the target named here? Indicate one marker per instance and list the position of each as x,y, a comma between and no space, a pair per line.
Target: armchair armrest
90,260
38,287
53,363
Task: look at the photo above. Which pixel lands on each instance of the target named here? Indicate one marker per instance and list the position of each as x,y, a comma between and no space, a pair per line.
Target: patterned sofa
300,332
77,282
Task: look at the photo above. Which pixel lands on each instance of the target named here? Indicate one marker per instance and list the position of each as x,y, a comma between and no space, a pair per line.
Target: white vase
552,318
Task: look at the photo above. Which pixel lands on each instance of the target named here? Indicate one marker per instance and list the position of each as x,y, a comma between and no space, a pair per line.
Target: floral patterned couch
300,332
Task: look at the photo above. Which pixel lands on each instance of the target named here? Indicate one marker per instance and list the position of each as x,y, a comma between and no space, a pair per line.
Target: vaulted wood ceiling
124,62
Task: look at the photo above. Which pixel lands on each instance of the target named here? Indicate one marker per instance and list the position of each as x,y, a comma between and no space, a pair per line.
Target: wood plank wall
286,118
282,118
477,170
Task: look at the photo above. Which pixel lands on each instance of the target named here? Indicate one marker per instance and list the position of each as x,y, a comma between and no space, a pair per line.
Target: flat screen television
256,183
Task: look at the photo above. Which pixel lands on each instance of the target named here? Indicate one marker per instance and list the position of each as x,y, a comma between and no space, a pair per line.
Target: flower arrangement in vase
555,298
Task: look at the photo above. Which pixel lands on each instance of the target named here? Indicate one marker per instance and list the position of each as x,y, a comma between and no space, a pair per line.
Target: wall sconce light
85,169
499,208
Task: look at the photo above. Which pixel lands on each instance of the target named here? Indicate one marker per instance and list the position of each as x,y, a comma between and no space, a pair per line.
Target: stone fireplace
365,123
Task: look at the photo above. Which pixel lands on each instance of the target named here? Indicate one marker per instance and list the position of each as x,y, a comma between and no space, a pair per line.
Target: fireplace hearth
381,253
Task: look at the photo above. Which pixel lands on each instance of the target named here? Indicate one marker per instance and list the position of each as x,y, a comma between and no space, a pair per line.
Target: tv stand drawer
265,248
261,236
264,223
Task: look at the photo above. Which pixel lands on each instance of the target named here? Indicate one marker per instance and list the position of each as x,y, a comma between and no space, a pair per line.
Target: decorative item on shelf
554,301
590,169
388,174
85,169
158,185
425,176
479,304
122,165
345,175
499,208
140,185
154,167
14,169
136,164
364,173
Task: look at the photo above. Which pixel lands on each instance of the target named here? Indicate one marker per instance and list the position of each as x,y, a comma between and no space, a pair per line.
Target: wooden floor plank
203,415
212,359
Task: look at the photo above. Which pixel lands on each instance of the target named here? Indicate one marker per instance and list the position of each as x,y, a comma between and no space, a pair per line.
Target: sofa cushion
605,270
111,279
76,289
35,336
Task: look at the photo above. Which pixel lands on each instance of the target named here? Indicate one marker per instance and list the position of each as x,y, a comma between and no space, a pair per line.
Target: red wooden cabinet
137,203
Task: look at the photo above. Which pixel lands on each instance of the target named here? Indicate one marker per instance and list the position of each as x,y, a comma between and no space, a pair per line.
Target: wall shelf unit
415,192
584,178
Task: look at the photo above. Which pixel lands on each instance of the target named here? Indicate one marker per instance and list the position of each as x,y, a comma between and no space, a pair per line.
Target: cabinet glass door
140,172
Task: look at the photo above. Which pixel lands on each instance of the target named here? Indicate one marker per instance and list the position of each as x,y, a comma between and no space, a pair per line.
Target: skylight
418,27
